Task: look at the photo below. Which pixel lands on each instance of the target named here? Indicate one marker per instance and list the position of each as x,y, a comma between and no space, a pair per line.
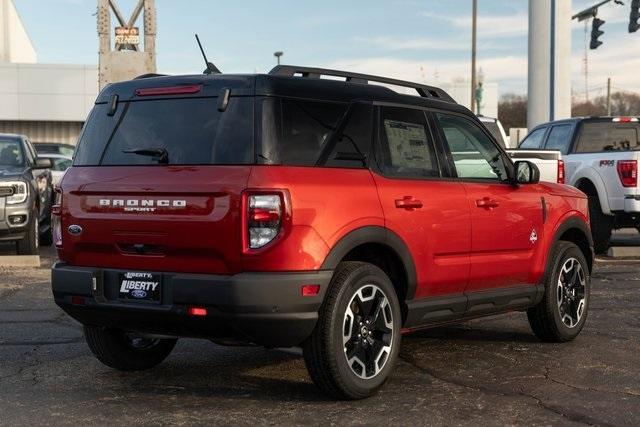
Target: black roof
291,81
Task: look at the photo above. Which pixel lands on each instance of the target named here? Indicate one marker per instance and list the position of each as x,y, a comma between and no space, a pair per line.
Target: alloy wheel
367,332
571,292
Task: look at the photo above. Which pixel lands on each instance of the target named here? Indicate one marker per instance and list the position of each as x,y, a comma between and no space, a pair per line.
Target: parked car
59,165
292,210
549,162
54,148
26,193
601,155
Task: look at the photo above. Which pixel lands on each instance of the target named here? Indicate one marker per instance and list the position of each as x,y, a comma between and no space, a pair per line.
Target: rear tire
561,314
29,244
601,226
127,351
356,341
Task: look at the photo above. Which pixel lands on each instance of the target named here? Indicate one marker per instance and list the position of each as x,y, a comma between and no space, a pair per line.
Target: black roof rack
316,73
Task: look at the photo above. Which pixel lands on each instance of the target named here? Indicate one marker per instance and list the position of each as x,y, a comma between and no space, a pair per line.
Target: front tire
356,341
29,244
561,314
127,351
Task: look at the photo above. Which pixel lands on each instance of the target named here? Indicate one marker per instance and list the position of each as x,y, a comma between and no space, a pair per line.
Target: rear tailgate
154,218
546,161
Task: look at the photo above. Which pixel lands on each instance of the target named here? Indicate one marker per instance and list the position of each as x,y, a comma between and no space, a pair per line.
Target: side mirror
526,172
43,163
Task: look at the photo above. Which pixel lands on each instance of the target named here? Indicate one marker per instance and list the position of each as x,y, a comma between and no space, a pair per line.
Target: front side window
559,138
474,155
533,141
406,146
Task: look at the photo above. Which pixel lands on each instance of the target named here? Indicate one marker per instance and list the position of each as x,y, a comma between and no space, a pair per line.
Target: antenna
211,69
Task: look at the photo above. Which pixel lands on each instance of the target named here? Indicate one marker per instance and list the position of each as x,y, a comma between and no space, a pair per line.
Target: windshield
608,136
11,153
189,131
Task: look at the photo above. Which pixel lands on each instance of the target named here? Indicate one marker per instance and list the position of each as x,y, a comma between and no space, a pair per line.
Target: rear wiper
161,154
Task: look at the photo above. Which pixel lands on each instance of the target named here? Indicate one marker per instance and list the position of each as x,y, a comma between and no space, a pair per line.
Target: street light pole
474,21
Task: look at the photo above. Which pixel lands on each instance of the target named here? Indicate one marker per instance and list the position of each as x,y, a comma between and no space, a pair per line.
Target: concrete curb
624,252
20,261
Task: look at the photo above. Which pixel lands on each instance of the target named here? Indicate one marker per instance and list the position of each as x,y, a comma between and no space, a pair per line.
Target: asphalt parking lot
486,372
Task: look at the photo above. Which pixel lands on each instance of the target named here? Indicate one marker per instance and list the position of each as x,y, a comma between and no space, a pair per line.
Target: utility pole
608,96
474,28
585,62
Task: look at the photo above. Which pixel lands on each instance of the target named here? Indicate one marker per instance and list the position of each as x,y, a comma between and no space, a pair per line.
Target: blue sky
425,40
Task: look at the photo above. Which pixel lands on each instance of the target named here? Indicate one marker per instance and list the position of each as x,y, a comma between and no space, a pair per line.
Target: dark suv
292,210
26,193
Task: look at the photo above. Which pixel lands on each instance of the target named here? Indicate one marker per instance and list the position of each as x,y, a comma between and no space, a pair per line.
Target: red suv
289,209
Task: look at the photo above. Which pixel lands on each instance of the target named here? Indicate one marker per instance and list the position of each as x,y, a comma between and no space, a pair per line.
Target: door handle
408,203
486,202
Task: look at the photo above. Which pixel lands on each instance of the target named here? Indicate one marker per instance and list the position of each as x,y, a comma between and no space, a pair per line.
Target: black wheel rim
571,292
367,331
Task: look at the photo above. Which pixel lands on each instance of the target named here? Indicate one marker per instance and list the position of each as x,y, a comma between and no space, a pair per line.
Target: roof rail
316,73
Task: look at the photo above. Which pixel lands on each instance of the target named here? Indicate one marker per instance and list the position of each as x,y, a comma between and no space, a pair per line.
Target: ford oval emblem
75,230
138,293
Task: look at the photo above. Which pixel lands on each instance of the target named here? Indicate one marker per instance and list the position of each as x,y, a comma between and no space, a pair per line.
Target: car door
425,209
506,219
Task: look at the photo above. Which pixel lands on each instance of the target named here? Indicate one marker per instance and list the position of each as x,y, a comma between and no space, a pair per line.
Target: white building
461,92
47,102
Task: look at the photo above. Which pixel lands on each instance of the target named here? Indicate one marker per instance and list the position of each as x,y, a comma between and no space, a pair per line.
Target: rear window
192,131
608,136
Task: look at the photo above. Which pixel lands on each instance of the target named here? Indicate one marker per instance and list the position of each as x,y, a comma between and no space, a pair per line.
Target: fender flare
573,222
591,175
374,234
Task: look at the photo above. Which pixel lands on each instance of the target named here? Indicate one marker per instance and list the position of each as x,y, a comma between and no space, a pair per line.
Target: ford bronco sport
289,209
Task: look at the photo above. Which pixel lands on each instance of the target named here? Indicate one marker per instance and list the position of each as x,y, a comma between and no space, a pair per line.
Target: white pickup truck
601,156
549,162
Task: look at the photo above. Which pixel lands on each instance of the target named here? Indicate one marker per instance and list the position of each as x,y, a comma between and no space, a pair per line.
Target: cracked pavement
485,372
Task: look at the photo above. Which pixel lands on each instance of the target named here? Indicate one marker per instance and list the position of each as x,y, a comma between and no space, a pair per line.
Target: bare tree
512,111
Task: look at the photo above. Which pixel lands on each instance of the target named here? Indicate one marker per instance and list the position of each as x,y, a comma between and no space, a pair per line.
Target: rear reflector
628,173
560,171
197,311
170,90
310,290
76,300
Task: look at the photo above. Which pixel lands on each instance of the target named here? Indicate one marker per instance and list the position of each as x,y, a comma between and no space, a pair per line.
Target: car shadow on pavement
224,372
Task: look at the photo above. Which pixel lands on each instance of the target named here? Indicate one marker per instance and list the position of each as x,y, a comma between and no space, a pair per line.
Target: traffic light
596,33
634,15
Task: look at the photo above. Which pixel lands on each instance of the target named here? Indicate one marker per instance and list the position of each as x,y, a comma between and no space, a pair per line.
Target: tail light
560,171
264,213
628,173
56,212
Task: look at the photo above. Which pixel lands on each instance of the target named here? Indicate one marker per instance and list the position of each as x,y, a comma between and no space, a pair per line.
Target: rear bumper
632,204
262,308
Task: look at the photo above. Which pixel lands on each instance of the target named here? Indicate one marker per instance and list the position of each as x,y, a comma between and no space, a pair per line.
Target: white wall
15,44
47,92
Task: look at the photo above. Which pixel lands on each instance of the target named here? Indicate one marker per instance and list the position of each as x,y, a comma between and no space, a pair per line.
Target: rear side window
608,136
407,148
297,132
192,131
533,141
559,138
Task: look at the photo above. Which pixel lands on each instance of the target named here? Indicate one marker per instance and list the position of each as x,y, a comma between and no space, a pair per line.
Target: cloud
489,26
418,43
